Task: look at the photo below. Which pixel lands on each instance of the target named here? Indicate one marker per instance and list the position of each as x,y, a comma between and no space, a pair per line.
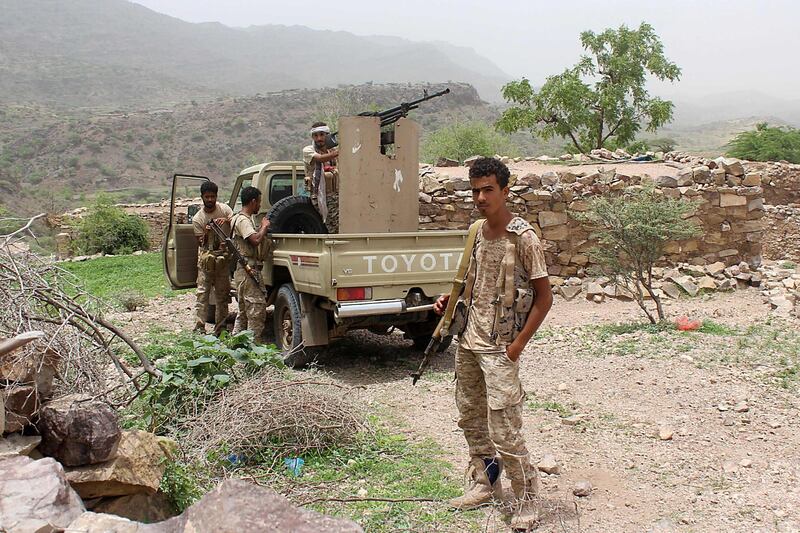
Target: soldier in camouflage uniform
322,176
254,245
507,295
213,261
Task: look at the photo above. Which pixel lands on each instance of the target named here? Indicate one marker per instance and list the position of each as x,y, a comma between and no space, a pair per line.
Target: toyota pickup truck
323,285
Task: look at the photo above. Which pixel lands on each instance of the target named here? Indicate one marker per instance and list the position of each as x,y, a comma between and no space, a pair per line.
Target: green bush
767,143
108,229
462,140
194,370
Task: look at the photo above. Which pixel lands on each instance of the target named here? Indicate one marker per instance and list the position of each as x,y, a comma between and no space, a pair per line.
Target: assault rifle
238,255
436,339
442,329
389,116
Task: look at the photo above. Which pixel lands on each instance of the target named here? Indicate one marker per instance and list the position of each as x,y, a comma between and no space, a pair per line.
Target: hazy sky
720,45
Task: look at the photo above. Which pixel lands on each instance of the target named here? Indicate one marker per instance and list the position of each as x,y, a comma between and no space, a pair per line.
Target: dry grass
272,414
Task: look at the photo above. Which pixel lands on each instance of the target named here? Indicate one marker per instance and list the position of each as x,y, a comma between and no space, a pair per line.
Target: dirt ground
725,469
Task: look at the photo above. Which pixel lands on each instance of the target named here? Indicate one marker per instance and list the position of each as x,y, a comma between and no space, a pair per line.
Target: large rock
687,284
142,507
35,496
90,522
666,181
468,162
138,467
77,430
552,218
17,444
21,405
32,368
236,505
446,162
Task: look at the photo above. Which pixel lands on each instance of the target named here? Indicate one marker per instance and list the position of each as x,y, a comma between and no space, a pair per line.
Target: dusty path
722,470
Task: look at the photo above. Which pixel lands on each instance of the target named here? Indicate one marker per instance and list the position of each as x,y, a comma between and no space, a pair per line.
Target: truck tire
289,329
295,214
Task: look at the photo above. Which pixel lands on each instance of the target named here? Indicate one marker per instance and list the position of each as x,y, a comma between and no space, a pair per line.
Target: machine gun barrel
389,116
402,110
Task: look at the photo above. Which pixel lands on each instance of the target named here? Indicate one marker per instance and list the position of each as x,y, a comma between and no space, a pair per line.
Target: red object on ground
685,324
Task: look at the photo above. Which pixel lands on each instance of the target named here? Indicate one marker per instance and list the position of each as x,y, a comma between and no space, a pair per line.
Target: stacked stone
781,180
779,284
782,233
729,212
781,287
69,445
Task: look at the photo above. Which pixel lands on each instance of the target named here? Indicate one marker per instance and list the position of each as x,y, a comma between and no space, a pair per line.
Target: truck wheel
295,214
289,329
420,343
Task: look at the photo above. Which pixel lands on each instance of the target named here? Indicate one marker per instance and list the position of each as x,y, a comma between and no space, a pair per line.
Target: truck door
180,246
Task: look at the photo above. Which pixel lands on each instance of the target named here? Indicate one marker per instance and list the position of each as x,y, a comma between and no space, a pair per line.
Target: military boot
526,506
484,484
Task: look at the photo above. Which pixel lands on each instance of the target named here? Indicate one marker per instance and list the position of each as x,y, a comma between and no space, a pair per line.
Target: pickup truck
323,285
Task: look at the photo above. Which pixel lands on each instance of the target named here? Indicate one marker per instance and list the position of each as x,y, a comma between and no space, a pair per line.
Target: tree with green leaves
632,230
767,143
601,100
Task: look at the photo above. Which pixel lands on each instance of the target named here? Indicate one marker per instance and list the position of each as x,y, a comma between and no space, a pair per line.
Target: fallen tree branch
351,500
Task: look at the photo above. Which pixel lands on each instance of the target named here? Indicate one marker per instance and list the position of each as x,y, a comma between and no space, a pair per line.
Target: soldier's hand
220,221
440,304
513,351
265,223
335,152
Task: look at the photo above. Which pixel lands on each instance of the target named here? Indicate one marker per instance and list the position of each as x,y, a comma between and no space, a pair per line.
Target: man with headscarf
322,177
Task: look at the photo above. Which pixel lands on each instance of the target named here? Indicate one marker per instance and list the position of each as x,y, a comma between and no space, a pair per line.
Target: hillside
53,161
118,54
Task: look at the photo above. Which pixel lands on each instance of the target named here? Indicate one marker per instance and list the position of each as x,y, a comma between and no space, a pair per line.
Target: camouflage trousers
252,305
218,283
489,398
332,201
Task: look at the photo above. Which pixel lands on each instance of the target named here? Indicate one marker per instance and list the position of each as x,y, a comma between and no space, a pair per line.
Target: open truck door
180,245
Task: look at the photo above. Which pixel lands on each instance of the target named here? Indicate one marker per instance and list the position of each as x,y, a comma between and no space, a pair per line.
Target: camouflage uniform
252,304
213,269
489,394
315,173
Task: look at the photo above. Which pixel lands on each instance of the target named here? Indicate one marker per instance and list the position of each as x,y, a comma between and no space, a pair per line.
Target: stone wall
782,233
730,211
781,180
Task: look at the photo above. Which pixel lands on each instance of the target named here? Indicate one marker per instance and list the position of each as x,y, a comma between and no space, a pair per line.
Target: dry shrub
80,349
273,414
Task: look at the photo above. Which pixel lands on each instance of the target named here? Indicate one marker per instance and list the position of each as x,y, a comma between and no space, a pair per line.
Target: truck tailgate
392,263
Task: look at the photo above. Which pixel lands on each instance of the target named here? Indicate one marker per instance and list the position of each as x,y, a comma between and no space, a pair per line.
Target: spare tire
295,214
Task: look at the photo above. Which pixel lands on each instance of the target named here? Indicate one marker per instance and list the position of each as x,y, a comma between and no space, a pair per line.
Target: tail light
345,294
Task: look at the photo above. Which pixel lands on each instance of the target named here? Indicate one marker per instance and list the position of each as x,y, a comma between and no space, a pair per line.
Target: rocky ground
675,431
